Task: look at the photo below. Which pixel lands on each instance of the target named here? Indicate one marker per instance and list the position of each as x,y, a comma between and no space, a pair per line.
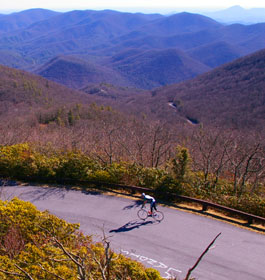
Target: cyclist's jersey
149,198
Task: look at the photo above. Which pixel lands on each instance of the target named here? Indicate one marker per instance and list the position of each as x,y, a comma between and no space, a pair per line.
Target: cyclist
151,200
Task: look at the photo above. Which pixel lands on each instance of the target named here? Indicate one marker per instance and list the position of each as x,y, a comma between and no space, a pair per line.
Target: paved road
171,246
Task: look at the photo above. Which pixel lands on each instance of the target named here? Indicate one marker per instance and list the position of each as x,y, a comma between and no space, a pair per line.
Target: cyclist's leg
152,206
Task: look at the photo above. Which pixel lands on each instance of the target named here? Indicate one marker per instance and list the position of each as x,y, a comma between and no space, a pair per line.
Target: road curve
171,246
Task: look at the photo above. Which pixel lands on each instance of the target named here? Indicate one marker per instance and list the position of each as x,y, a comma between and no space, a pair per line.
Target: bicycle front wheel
158,216
142,214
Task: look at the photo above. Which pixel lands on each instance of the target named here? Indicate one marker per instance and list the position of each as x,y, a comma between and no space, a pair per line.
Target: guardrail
205,204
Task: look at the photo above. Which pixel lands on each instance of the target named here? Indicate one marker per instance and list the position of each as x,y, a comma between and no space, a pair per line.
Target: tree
180,165
245,161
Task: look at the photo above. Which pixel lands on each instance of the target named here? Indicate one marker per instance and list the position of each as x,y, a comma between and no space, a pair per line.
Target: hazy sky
127,5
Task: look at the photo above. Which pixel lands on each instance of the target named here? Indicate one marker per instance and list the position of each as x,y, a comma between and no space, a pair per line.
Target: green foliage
17,160
168,186
146,177
38,245
180,164
133,270
71,114
70,117
250,204
74,165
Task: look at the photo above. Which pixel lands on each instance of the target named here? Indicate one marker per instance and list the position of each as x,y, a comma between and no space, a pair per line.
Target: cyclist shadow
132,225
136,204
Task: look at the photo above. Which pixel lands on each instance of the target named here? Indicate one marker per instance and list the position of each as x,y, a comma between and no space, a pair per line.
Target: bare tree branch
11,273
52,273
201,256
25,272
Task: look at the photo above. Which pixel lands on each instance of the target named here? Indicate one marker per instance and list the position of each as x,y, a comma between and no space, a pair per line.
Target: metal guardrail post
204,207
250,220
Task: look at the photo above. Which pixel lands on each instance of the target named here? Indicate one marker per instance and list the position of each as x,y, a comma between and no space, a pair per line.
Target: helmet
143,194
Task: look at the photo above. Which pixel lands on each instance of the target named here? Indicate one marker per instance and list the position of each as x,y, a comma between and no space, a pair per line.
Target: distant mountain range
145,51
23,19
237,14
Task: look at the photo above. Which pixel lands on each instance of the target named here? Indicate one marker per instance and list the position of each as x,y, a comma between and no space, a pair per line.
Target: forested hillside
23,94
153,49
77,73
231,96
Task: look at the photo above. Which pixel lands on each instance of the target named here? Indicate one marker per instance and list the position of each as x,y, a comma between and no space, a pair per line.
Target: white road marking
172,272
169,273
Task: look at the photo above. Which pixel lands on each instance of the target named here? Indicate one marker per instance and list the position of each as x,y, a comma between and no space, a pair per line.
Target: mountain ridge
76,73
98,36
238,14
24,19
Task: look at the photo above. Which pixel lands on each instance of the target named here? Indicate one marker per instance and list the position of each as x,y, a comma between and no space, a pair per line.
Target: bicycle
157,215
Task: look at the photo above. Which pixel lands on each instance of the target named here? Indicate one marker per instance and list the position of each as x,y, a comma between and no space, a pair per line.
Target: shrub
39,245
74,165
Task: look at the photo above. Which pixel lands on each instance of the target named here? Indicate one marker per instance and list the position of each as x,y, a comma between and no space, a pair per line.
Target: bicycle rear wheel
142,214
158,216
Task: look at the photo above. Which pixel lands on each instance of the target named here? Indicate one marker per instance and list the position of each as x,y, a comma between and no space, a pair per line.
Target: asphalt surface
171,246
